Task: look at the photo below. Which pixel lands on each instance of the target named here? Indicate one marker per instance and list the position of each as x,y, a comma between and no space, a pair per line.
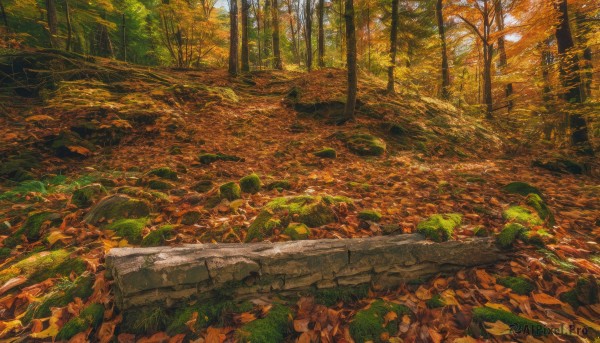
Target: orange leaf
545,299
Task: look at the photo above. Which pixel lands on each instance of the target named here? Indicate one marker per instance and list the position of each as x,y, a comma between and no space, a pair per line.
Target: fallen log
166,276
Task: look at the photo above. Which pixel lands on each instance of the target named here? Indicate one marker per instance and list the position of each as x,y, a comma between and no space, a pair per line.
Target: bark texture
393,46
233,38
351,60
167,276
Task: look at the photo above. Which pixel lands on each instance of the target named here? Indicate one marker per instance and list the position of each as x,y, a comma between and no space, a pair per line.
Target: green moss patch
326,153
297,231
160,185
509,234
130,229
191,217
211,313
117,206
279,185
250,184
33,228
365,145
203,186
518,285
369,324
85,196
517,323
145,320
435,302
370,215
522,188
43,265
210,158
439,227
164,173
158,237
521,215
332,296
230,191
537,203
272,328
91,316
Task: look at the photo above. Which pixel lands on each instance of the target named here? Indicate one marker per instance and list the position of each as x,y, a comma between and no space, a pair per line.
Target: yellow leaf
498,306
423,293
390,317
449,297
7,327
56,236
53,328
466,339
497,329
39,117
79,150
594,326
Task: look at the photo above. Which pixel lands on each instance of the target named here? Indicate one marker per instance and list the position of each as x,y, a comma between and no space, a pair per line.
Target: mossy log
167,276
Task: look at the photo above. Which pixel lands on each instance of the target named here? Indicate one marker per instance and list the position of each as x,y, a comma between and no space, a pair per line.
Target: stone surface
170,275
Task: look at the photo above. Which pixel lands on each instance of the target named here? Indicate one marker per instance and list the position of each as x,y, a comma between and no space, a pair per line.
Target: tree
4,17
308,33
52,22
393,46
351,60
321,37
277,63
233,38
508,89
569,70
245,49
441,31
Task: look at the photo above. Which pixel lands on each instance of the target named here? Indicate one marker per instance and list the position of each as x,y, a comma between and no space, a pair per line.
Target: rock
164,173
191,217
160,185
203,186
158,237
326,153
297,231
279,185
369,215
439,227
33,228
587,290
207,158
522,215
230,191
115,207
371,323
70,144
313,211
521,188
18,168
560,165
365,145
509,234
85,196
250,184
130,229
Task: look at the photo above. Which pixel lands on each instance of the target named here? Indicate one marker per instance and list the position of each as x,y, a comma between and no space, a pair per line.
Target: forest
299,171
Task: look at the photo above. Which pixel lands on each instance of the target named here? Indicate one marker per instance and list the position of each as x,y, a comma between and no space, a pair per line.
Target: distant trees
439,13
351,60
393,46
233,37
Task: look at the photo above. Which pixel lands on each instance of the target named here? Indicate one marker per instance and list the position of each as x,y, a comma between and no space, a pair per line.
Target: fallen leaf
497,329
545,299
14,282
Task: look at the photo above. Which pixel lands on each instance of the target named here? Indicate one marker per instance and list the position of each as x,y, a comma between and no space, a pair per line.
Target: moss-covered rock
587,290
158,237
273,328
521,215
117,206
85,196
61,295
522,188
18,168
164,173
509,234
91,316
435,302
517,323
369,215
191,217
250,184
34,225
207,158
313,211
439,227
560,165
518,285
370,324
160,185
365,145
481,231
297,231
537,237
5,253
70,144
326,153
537,203
230,191
279,185
130,229
203,186
43,265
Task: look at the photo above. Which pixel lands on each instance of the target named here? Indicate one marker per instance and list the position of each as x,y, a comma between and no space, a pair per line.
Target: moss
326,153
115,207
509,234
190,217
130,229
332,296
535,201
522,215
297,231
272,328
518,285
279,185
435,302
439,227
369,324
203,186
366,145
557,261
517,323
210,158
5,253
160,185
26,187
369,215
43,265
61,295
480,231
250,184
230,191
91,316
211,313
537,237
34,224
570,298
145,320
164,173
521,188
358,185
85,196
158,237
587,291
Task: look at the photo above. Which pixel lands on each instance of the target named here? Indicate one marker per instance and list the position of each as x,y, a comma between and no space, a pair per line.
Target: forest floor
104,130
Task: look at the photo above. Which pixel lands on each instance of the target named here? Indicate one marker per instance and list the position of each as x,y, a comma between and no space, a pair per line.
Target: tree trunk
351,60
295,51
508,89
69,26
123,40
4,17
52,22
321,14
245,49
393,46
267,29
277,63
170,276
441,31
233,38
487,80
584,29
569,70
308,32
